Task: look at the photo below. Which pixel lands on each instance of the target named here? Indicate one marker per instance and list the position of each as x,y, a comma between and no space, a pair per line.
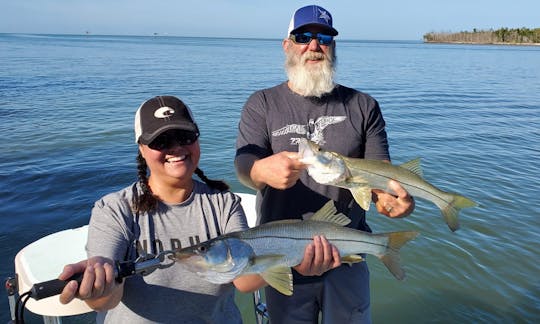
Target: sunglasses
305,38
169,139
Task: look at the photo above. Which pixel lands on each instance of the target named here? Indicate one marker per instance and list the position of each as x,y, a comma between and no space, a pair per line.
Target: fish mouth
184,255
306,152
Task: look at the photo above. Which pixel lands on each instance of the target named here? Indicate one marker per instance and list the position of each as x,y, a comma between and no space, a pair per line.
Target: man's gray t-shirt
345,121
171,294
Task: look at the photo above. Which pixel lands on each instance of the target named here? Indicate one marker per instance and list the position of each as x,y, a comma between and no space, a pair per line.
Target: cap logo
164,112
324,15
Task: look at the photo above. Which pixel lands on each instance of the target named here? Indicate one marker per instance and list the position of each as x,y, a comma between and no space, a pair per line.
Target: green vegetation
499,36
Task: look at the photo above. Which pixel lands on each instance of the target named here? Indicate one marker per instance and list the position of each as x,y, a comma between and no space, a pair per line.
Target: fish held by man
273,248
361,175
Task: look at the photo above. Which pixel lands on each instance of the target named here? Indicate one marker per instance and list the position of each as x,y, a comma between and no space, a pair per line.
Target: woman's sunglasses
171,138
305,38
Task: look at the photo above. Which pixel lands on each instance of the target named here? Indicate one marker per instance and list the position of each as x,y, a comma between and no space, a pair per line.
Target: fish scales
267,237
382,172
360,176
272,249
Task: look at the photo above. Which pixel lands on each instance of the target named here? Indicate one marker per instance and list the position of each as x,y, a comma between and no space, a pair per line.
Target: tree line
501,35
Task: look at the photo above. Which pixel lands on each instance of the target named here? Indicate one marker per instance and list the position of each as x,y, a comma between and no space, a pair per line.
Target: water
472,113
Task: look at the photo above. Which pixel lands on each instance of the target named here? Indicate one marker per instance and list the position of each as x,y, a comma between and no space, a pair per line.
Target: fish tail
450,211
391,258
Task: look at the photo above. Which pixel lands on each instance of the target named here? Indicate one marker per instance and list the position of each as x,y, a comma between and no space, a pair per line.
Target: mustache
313,56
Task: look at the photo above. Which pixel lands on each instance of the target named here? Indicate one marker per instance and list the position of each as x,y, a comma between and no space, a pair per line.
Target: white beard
307,80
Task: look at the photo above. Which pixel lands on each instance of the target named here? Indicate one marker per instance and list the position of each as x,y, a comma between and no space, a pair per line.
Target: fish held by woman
273,248
360,176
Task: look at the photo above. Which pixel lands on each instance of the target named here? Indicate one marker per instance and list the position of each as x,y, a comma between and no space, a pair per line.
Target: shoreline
481,43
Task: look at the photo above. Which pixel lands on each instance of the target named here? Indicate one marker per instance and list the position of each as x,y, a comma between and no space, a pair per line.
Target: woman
164,210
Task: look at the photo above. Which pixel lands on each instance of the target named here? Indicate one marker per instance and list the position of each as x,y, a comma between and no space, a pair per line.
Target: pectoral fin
280,278
362,195
353,258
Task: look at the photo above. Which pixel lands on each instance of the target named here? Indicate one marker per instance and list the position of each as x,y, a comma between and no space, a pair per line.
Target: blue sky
354,19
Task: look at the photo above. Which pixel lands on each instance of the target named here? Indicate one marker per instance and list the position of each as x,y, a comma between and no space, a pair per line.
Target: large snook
362,175
272,248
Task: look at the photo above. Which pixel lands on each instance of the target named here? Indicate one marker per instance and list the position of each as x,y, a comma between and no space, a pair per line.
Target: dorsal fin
414,167
327,213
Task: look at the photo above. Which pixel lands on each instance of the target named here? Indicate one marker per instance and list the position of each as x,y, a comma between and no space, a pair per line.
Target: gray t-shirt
345,121
172,294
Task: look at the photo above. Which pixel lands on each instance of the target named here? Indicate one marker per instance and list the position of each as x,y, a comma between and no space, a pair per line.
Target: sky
354,19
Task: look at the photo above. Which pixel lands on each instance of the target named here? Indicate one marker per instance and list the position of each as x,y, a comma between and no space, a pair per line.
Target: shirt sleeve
108,234
253,137
236,220
376,146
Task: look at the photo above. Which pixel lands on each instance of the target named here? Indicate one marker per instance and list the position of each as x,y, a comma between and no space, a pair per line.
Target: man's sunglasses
171,138
305,38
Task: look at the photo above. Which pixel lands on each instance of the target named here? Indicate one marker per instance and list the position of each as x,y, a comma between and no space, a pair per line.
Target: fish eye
202,248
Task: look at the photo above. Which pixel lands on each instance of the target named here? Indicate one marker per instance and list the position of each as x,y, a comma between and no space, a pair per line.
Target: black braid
147,201
215,184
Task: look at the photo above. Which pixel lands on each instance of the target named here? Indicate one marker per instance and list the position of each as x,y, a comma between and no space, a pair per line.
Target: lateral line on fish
408,184
311,238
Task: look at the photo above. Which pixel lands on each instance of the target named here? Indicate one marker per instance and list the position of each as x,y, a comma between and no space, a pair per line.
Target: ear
141,150
285,44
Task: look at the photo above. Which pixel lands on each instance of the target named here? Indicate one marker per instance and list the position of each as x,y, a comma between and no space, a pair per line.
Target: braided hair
147,201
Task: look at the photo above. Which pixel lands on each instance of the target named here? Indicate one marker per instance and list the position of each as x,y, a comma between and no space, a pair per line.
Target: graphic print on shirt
313,130
159,246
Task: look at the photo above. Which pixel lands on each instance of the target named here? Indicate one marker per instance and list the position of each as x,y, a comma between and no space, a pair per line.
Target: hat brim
325,28
148,138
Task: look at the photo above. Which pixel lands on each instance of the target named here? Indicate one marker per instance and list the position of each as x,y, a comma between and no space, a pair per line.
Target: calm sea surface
472,113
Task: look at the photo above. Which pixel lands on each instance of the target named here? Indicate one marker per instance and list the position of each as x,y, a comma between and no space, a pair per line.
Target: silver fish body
271,249
361,175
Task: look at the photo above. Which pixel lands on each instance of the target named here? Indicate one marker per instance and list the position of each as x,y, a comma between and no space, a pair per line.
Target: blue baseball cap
312,15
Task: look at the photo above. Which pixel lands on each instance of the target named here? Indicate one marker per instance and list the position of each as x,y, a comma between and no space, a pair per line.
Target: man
339,119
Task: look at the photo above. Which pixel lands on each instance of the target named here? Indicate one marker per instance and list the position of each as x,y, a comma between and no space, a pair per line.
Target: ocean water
472,113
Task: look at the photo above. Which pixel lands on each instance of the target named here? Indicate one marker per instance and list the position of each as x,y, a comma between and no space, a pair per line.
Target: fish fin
450,211
352,258
414,166
280,278
261,263
328,213
362,196
391,258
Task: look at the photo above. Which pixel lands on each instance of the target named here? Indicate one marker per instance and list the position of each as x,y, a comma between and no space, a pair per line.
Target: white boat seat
37,262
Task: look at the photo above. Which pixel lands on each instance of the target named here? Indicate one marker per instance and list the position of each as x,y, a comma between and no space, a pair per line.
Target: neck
171,193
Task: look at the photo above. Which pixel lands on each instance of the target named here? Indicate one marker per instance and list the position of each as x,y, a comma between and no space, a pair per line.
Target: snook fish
272,248
362,175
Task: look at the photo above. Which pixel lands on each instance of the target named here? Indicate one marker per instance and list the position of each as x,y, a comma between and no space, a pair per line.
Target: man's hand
280,171
319,257
393,206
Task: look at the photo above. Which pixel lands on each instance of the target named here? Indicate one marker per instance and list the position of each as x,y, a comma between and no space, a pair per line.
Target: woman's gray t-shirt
171,294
